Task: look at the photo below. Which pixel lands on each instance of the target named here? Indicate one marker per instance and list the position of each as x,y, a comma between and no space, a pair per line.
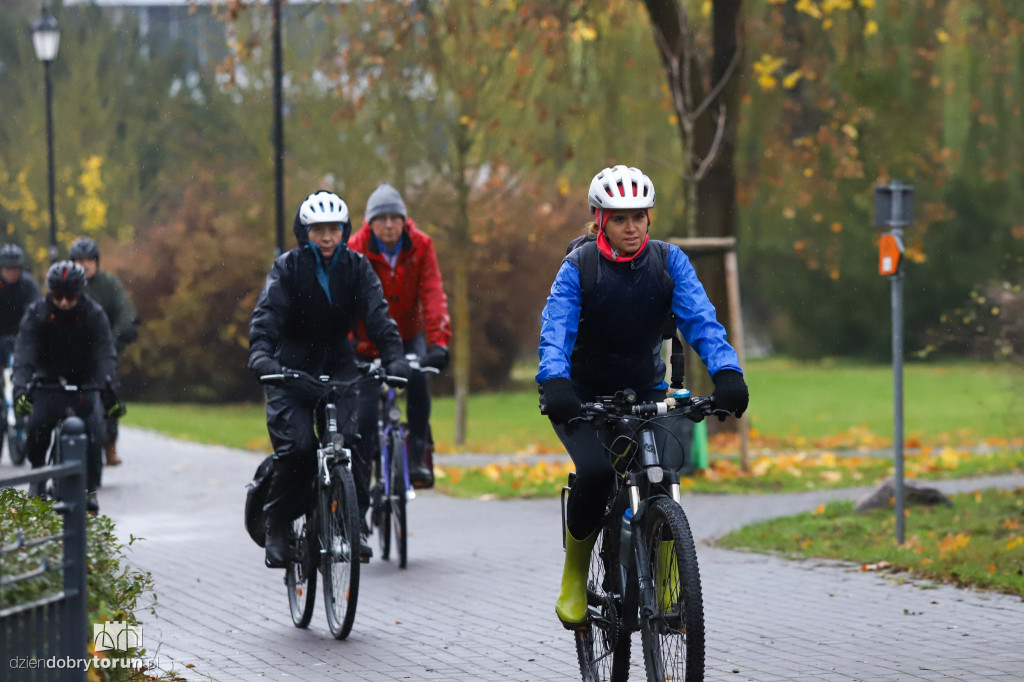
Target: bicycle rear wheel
300,574
397,499
602,647
339,559
673,633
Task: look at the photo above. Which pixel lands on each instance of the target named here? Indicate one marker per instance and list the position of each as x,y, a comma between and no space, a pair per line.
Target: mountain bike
326,536
643,569
392,489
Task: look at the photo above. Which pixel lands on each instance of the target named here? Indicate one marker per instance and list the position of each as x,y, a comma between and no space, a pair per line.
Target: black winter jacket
14,300
74,344
295,323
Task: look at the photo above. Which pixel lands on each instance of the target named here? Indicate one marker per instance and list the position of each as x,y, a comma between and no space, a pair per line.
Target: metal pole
897,366
50,172
278,132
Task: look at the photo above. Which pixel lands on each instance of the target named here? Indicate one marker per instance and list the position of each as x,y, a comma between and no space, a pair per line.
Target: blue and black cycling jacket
608,339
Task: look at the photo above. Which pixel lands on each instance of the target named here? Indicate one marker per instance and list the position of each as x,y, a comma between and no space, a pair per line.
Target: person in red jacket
404,259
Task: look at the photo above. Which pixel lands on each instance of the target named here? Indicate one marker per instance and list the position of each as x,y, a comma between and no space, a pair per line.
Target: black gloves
436,356
261,364
398,368
126,336
731,392
112,405
558,401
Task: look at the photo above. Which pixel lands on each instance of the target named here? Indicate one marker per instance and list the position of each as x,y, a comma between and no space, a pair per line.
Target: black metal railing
46,637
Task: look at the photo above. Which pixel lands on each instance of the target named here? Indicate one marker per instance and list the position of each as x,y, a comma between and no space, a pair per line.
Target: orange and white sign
890,253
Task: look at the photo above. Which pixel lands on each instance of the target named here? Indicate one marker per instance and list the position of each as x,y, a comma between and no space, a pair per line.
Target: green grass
979,542
788,399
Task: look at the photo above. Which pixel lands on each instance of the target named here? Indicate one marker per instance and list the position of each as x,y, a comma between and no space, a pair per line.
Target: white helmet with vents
620,188
323,207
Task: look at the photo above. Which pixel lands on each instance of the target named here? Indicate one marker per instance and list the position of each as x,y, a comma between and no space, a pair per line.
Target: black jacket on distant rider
75,345
14,300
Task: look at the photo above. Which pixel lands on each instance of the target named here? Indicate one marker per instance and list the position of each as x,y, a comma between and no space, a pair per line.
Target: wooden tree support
696,247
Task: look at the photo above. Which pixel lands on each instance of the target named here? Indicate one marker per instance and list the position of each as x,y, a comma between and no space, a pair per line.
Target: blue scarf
323,274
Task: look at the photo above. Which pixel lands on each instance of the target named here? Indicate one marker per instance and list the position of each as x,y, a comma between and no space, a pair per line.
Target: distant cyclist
597,339
106,289
65,336
17,291
312,299
404,259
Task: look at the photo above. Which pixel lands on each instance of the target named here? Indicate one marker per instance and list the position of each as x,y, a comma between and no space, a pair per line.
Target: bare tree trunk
461,327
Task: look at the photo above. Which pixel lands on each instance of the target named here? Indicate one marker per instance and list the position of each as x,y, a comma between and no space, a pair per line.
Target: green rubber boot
571,607
668,576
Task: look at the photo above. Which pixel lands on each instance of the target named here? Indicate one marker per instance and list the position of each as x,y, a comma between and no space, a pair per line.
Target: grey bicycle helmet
11,256
65,277
84,249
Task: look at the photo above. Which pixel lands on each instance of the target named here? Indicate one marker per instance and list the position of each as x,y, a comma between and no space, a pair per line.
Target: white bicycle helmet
620,188
323,207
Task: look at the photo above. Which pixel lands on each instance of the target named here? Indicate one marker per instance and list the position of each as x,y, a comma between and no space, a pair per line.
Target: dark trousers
595,475
417,411
290,425
49,408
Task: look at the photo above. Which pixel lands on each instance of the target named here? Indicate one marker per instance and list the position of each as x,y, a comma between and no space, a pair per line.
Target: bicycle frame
388,421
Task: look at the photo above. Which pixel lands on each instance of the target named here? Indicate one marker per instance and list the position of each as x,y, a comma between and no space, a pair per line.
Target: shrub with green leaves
114,588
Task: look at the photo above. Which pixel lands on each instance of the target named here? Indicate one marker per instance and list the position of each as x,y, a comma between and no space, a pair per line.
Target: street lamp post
46,40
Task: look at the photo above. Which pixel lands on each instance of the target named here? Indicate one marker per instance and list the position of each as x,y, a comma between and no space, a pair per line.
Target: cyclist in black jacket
66,335
17,291
313,297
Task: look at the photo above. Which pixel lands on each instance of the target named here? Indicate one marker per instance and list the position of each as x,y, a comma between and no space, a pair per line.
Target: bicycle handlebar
695,408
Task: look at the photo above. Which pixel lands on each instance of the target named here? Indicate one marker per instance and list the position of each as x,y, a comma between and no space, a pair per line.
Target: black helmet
84,249
11,256
66,277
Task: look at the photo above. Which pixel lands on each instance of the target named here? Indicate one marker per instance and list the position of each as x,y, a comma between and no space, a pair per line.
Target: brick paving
476,602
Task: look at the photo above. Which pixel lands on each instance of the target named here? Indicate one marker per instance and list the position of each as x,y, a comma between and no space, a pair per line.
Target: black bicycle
392,489
643,569
326,537
80,400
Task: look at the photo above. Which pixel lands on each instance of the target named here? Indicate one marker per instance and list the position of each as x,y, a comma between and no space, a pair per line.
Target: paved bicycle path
476,602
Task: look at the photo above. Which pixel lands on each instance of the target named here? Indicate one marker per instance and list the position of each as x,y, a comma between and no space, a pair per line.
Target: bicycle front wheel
16,444
397,499
300,576
673,633
602,647
339,559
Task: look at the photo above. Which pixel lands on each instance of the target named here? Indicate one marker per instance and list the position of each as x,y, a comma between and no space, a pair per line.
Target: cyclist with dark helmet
105,288
312,299
598,341
65,336
17,291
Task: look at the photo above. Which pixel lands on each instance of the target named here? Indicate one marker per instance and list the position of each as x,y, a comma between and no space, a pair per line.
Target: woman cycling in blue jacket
605,339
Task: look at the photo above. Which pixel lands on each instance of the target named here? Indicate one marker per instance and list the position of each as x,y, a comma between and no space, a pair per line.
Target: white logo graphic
116,635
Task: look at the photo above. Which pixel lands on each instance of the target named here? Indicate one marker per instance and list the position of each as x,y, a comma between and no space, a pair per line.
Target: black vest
621,321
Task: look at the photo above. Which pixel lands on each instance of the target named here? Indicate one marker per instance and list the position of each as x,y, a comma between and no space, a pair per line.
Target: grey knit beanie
385,199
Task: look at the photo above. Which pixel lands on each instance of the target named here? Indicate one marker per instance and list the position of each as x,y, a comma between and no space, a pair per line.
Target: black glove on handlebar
559,401
113,408
262,364
731,392
399,368
436,356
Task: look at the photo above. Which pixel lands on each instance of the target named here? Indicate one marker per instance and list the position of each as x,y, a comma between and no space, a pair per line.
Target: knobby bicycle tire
602,647
16,438
339,562
673,633
300,574
397,501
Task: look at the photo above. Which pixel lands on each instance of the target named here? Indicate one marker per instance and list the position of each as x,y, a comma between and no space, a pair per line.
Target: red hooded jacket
416,300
